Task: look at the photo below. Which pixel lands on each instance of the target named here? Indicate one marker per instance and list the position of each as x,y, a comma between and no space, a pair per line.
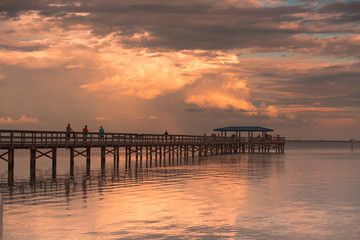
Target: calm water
310,192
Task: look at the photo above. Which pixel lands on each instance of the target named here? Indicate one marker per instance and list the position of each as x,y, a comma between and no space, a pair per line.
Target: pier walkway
154,147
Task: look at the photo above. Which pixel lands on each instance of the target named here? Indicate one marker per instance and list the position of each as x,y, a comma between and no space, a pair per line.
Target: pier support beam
129,157
88,160
156,156
126,157
32,165
116,157
151,153
54,155
137,157
72,161
103,158
141,156
10,166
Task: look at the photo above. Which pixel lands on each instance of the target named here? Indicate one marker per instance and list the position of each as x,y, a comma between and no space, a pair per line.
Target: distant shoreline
317,140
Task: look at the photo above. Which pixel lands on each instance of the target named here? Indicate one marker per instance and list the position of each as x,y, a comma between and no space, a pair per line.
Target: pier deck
157,146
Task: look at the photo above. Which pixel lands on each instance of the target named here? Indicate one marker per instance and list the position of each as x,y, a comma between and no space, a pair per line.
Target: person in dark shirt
68,131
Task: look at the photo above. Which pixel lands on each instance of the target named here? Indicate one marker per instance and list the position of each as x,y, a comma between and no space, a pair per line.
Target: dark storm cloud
202,27
194,24
11,8
335,86
344,7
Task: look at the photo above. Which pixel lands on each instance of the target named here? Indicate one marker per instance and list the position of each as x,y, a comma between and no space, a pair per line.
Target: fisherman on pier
85,132
68,131
101,133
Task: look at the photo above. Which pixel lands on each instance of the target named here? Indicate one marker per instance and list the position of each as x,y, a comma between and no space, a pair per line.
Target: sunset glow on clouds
147,75
23,119
289,66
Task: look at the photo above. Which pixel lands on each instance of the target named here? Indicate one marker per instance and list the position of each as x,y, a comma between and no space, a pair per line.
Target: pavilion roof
243,129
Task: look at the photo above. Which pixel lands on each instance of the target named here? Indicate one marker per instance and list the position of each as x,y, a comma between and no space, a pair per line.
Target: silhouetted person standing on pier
166,135
101,133
68,131
85,132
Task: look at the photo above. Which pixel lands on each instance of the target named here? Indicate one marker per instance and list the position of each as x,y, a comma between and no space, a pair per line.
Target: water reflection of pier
148,149
253,168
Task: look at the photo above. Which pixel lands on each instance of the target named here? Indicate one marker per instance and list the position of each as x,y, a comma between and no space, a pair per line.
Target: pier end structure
238,130
263,143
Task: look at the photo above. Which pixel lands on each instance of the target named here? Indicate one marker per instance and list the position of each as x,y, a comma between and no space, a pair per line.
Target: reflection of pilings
44,186
164,155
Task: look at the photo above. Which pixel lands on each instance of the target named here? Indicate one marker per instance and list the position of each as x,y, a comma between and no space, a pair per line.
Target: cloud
74,66
343,7
195,109
147,75
152,117
220,91
201,24
22,119
100,118
228,91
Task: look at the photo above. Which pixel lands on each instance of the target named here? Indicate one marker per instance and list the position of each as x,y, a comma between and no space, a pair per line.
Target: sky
185,66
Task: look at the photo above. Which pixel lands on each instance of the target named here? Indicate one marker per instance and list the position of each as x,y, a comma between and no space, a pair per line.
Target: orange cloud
219,100
147,75
22,119
100,118
275,111
224,91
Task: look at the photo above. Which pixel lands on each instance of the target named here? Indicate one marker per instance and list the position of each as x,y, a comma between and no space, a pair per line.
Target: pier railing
47,139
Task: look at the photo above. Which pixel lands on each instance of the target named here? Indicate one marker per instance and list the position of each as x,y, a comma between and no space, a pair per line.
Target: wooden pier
155,148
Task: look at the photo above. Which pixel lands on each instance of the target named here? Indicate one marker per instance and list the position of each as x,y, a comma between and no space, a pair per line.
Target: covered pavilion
239,129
